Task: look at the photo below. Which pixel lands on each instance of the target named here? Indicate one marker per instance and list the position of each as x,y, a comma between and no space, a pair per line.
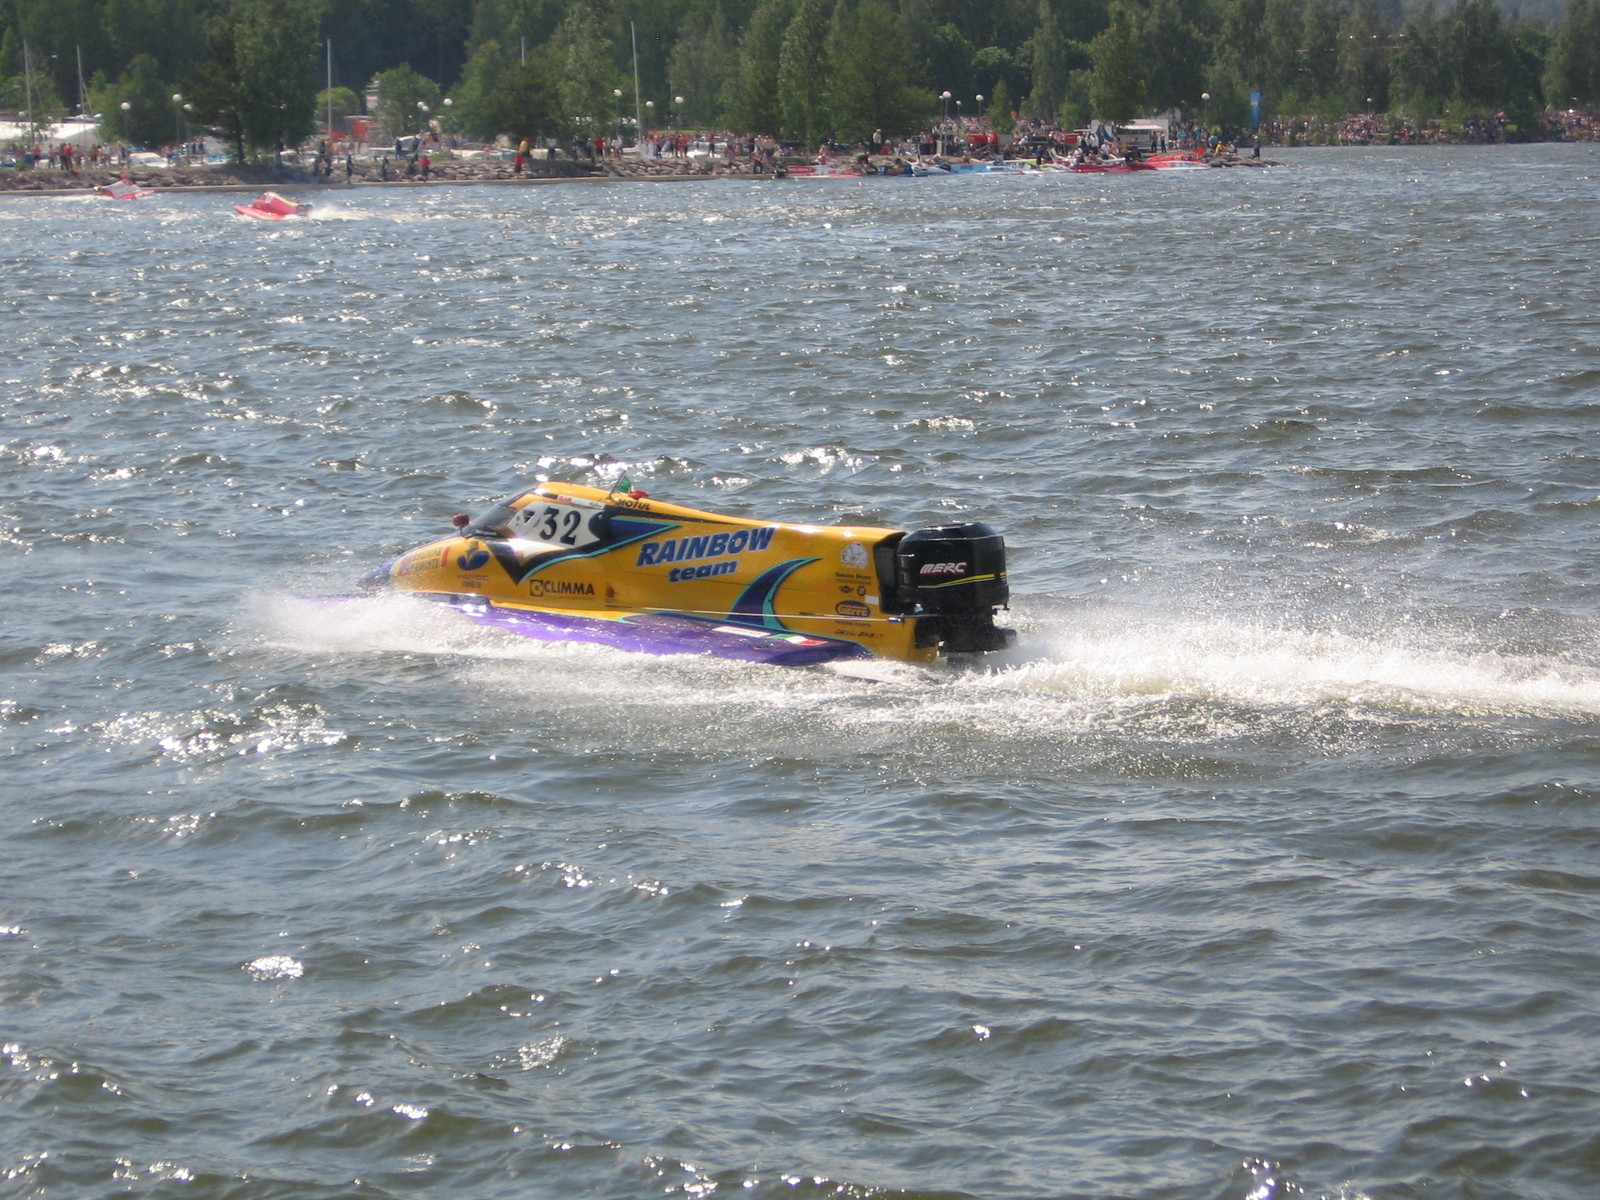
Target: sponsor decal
852,608
704,545
558,587
420,560
703,571
474,558
949,568
855,555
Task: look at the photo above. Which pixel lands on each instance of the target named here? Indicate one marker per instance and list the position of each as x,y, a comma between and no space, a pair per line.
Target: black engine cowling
954,576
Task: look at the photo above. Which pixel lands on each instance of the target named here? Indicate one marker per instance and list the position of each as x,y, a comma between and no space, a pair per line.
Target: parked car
146,159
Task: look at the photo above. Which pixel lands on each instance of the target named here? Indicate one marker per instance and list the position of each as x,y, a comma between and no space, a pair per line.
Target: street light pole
177,125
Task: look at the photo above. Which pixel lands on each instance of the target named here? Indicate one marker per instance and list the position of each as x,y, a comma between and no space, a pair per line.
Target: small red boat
123,189
269,206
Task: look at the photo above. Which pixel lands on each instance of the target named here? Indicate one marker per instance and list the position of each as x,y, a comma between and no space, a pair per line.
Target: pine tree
1117,87
803,72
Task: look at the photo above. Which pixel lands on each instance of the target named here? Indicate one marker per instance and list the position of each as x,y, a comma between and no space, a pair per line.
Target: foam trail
1266,666
1104,656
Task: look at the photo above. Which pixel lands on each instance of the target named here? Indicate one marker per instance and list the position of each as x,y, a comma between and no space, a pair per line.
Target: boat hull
567,562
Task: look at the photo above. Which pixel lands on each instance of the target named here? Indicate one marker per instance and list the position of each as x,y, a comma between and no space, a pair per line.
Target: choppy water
1267,865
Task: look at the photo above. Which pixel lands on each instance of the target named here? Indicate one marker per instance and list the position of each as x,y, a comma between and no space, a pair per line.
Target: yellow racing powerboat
566,562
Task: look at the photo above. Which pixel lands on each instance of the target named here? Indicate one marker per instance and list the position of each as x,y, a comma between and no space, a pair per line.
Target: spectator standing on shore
349,166
522,156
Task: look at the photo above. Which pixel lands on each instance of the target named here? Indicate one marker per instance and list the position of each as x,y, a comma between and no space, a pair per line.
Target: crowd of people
1390,129
969,138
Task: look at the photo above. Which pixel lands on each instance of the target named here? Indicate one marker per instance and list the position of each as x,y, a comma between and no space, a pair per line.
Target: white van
1147,137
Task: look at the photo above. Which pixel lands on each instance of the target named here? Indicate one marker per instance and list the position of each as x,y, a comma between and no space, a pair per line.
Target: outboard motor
955,576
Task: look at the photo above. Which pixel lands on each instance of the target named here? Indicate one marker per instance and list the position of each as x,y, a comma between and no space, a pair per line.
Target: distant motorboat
269,206
123,189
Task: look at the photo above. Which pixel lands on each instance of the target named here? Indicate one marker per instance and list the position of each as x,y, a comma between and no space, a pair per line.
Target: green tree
170,32
32,93
992,64
54,29
257,85
1117,87
1572,66
1281,25
1419,72
527,102
406,101
476,92
1000,109
1481,47
950,63
1363,59
1051,66
871,80
148,119
1320,62
1530,49
216,87
751,99
1173,55
588,77
699,67
803,72
340,101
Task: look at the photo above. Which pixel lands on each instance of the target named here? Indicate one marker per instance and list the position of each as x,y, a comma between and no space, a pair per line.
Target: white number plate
556,523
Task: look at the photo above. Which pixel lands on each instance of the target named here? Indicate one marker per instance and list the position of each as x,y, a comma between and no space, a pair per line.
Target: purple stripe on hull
658,633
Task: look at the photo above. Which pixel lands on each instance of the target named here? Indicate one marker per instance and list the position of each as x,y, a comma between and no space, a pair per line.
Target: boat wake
1111,654
1100,659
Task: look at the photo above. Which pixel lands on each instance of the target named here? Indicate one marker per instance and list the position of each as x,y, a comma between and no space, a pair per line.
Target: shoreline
233,177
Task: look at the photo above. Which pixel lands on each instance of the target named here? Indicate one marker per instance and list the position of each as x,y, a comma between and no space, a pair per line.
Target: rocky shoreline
365,174
247,176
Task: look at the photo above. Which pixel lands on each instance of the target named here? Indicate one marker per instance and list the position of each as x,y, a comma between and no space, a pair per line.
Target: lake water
1266,865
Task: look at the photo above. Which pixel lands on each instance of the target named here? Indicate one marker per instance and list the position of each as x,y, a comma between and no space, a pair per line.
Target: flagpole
330,88
27,82
638,123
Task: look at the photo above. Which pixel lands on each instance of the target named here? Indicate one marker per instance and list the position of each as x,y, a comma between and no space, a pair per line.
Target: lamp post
980,105
1205,117
677,118
944,119
177,126
616,95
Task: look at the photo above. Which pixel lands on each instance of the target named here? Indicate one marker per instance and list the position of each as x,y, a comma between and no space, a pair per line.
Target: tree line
264,72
